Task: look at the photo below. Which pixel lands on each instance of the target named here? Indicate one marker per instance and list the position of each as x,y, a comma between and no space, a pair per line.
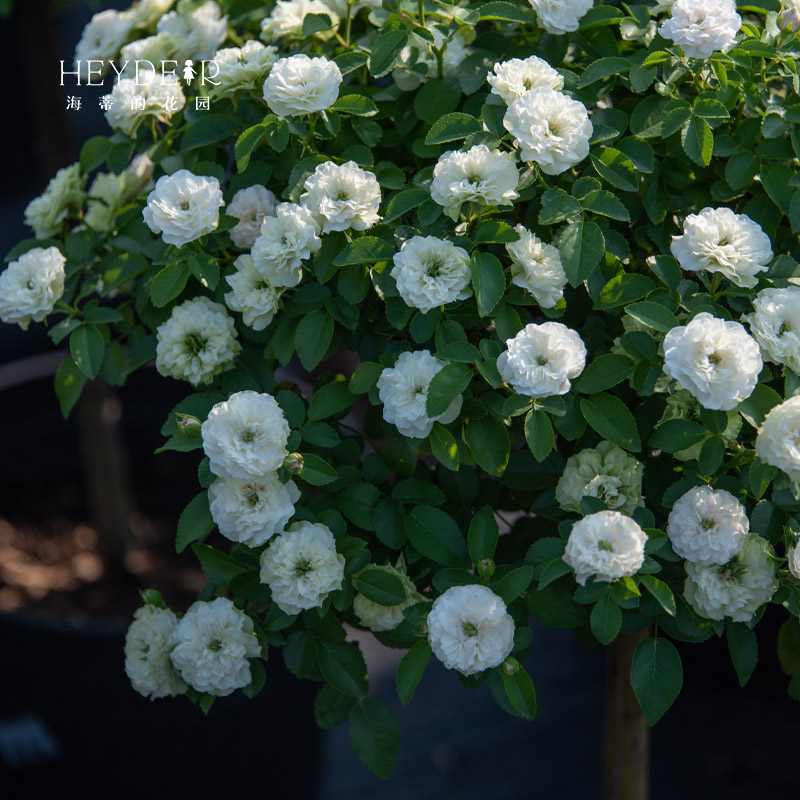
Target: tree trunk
627,745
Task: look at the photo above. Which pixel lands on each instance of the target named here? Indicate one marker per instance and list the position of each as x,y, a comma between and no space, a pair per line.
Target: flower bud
152,597
486,568
293,463
188,425
510,666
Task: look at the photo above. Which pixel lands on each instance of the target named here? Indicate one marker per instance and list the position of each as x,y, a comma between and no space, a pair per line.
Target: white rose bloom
253,296
245,436
701,27
183,207
512,78
606,472
482,176
302,567
213,644
775,325
109,193
549,129
470,630
200,32
284,242
242,69
403,390
790,16
286,19
340,7
431,272
148,644
736,589
147,13
707,526
793,559
299,85
541,360
778,440
31,286
606,544
342,197
716,360
132,104
410,73
377,617
719,240
537,267
560,16
101,40
197,342
63,197
250,206
154,49
252,511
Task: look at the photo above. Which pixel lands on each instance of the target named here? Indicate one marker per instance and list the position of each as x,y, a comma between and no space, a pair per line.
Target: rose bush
449,267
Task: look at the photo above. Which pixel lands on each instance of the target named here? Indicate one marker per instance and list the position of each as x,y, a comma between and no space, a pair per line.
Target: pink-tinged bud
486,568
189,425
510,666
293,463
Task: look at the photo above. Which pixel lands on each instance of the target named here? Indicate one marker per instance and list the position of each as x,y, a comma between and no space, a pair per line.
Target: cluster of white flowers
378,617
63,196
707,526
719,240
778,440
775,325
253,296
537,268
431,272
550,129
417,61
161,97
252,511
148,645
287,17
403,390
242,69
300,85
736,589
284,242
154,49
606,472
470,630
197,342
109,193
541,360
481,176
31,286
702,27
606,544
199,33
183,207
245,436
793,561
101,41
302,567
342,197
147,13
560,16
512,78
250,206
716,360
213,642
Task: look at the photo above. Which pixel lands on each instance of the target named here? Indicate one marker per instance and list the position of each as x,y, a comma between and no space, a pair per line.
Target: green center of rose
247,435
469,629
707,524
714,359
605,546
195,343
252,499
434,268
785,328
215,645
302,568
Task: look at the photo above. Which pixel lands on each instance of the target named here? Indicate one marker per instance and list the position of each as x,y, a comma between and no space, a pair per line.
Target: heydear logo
142,71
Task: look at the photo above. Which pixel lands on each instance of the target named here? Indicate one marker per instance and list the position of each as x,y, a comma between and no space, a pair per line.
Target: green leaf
374,733
313,338
488,281
520,692
606,618
385,52
616,168
381,587
365,377
622,289
676,434
698,141
447,384
452,127
756,407
357,502
194,523
342,665
317,471
557,206
315,23
355,104
495,231
603,202
653,315
743,647
444,447
656,677
708,108
603,68
610,417
331,708
219,568
483,533
514,583
102,315
539,434
437,536
581,246
330,400
246,145
488,439
741,169
711,454
276,132
661,592
411,669
604,373
505,11
366,249
209,129
205,269
69,383
402,202
93,153
169,283
87,346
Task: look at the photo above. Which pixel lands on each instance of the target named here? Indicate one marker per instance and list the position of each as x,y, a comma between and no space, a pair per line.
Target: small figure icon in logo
189,72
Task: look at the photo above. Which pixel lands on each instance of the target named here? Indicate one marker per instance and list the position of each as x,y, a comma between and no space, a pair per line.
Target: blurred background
87,517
